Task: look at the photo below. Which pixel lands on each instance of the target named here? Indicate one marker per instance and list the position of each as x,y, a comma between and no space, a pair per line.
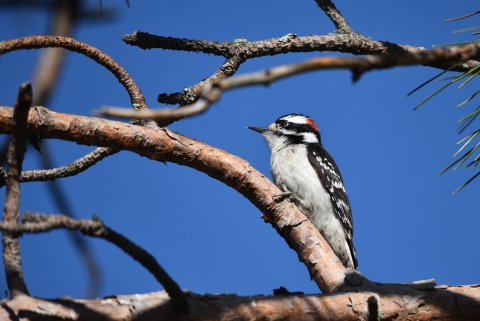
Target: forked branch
165,145
358,66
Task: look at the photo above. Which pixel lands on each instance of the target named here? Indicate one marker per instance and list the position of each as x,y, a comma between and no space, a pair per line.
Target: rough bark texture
375,302
16,152
166,145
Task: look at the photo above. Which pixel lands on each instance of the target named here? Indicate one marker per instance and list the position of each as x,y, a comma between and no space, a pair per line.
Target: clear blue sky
208,237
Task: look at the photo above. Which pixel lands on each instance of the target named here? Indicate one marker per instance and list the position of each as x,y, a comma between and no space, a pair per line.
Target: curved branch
165,145
39,223
190,95
72,169
36,42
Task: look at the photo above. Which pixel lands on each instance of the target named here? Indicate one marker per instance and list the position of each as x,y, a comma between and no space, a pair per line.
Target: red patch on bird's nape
312,123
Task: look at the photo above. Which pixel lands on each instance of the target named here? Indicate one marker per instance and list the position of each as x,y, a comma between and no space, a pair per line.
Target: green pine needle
470,71
467,137
436,92
466,81
466,183
467,100
446,78
432,79
466,29
463,157
473,136
474,113
466,156
448,167
452,44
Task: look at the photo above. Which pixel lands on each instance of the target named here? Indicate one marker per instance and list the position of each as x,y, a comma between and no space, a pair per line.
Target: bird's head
290,129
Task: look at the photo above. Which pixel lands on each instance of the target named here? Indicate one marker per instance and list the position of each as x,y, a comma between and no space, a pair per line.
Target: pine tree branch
16,152
72,169
332,12
165,145
357,65
39,223
241,50
378,302
36,42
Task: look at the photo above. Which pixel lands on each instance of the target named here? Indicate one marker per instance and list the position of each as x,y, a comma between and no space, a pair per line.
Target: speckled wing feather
329,174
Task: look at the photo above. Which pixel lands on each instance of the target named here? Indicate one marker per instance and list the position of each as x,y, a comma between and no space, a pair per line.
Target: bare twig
16,151
38,223
358,66
165,115
463,17
338,20
71,169
190,95
36,42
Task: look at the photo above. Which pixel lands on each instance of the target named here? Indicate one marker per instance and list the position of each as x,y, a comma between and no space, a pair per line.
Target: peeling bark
166,145
379,302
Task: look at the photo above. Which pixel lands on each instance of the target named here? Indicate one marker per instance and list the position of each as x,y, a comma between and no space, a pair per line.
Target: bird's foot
286,194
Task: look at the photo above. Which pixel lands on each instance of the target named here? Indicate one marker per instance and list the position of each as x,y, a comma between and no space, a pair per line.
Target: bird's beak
262,130
258,129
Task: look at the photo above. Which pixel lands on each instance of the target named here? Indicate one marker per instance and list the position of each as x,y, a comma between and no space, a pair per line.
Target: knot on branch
186,97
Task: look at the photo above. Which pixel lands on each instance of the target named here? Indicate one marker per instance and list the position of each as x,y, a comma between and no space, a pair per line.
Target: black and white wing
329,174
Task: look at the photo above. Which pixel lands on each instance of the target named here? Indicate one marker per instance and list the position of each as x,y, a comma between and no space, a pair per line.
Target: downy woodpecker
301,166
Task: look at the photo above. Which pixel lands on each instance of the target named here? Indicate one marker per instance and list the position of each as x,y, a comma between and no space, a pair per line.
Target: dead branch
16,152
39,223
347,43
332,12
242,50
379,302
165,145
191,94
72,169
358,66
36,42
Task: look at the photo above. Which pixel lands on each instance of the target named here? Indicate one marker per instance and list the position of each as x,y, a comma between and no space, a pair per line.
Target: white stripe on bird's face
297,119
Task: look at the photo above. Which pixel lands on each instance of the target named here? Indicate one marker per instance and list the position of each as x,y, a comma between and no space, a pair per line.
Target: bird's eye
282,123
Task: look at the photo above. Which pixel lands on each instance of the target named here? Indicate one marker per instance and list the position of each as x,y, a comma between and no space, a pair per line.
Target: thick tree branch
39,223
332,12
378,302
16,152
165,145
358,66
